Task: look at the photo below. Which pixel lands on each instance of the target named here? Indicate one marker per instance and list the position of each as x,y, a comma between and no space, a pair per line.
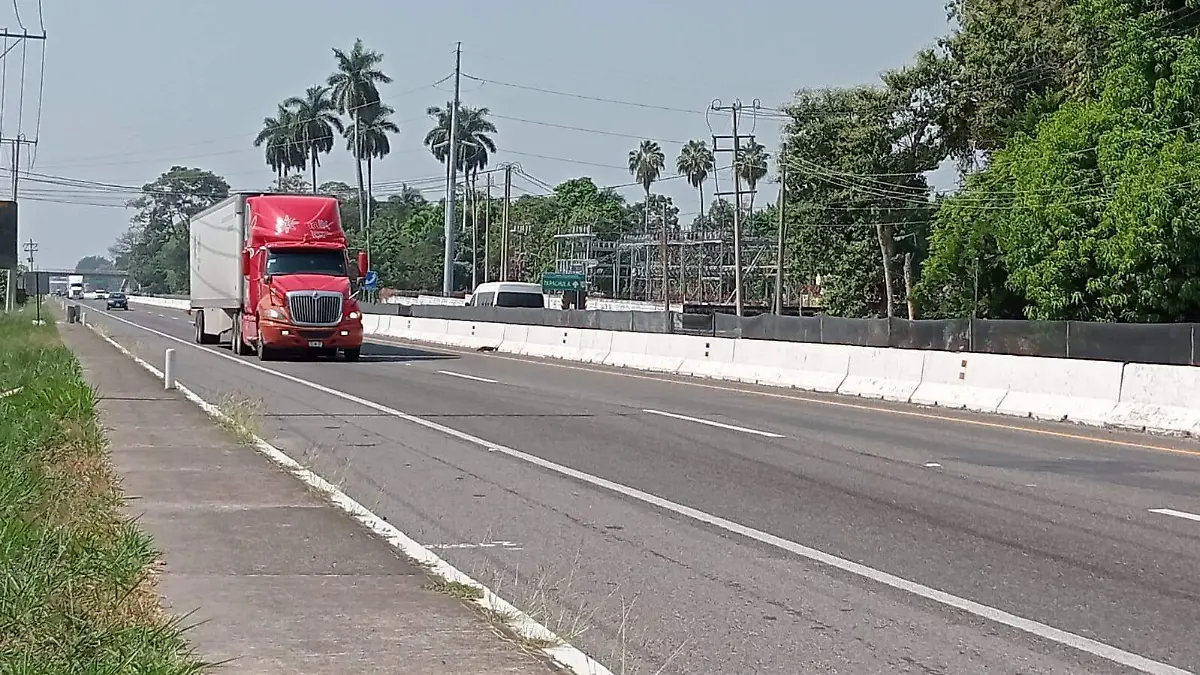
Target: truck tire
203,338
236,342
352,354
265,353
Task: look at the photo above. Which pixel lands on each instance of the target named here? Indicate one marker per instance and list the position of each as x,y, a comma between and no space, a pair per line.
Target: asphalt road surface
687,526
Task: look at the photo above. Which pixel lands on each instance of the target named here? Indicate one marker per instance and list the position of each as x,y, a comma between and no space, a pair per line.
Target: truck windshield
306,262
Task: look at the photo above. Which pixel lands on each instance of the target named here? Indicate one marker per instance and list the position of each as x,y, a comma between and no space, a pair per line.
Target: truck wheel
352,354
236,341
203,338
265,353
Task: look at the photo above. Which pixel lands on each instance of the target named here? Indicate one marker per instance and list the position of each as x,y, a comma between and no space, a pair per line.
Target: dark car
117,301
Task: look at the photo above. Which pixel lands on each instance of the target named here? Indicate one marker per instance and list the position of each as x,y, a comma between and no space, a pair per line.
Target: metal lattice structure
700,266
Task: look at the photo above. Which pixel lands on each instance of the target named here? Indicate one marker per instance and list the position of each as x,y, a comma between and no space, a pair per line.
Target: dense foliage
1072,124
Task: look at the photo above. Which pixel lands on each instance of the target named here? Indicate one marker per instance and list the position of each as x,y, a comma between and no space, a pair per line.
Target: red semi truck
272,272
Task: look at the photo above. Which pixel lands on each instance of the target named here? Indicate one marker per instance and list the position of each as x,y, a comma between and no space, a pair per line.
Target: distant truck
75,286
272,272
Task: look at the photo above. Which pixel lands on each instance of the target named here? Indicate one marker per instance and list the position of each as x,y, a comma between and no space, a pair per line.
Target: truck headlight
273,313
353,315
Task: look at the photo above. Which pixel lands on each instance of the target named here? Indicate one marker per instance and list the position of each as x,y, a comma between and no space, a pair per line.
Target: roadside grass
77,578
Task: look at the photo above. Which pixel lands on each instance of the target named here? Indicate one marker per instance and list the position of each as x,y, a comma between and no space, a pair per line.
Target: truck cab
274,271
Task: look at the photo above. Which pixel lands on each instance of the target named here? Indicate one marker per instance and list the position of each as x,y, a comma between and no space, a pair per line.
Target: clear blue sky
134,86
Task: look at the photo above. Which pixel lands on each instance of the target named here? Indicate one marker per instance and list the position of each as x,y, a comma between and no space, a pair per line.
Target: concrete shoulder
275,579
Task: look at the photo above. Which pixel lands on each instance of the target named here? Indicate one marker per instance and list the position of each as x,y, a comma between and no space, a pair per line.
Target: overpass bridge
38,281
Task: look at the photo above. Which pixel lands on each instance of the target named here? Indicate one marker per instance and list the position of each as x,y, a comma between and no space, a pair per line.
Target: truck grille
315,308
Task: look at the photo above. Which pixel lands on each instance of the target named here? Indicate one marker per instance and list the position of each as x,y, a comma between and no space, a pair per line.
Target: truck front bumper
280,335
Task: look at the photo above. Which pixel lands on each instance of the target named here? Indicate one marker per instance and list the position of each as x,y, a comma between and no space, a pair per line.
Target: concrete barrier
1155,398
1060,389
889,374
968,381
799,365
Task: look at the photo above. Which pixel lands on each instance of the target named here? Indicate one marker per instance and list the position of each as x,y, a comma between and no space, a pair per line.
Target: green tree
283,151
859,202
317,124
94,263
354,87
695,161
646,165
294,184
375,127
751,166
157,254
1087,216
475,132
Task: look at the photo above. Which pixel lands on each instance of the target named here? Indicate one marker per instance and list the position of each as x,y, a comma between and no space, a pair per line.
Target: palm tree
316,122
646,165
752,166
355,90
475,143
695,161
278,139
373,126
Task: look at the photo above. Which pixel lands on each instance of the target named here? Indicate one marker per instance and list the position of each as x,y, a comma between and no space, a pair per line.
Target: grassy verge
76,577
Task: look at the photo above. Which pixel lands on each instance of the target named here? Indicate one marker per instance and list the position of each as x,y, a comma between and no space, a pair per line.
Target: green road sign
563,282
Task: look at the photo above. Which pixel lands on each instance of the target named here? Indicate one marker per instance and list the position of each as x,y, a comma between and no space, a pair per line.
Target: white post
82,316
169,370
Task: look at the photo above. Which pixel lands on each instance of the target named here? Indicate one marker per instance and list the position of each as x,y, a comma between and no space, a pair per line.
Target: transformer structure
700,264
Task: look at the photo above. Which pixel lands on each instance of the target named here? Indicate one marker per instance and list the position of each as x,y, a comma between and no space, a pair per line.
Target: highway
703,527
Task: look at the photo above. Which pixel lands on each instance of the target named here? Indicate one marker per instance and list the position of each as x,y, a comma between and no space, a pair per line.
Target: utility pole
16,143
735,111
31,247
779,240
487,232
452,160
466,207
666,278
504,217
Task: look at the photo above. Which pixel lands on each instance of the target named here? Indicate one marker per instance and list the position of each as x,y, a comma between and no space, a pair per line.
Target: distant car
117,301
100,295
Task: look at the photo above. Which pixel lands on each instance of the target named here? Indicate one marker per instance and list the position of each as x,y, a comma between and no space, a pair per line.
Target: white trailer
217,236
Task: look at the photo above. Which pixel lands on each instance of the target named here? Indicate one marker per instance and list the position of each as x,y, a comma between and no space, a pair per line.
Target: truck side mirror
363,264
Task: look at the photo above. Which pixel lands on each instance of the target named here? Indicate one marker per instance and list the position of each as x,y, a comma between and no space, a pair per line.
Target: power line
584,97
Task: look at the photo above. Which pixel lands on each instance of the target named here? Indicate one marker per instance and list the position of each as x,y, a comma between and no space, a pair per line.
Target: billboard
8,235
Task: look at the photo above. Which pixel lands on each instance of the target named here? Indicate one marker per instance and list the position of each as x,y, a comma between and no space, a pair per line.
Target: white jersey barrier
1157,398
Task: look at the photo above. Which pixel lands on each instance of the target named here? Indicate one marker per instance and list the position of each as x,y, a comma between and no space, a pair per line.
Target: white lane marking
1177,514
562,653
932,465
1036,628
467,377
712,423
513,546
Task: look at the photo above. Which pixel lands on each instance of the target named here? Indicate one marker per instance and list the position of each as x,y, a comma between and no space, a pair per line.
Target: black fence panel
598,320
380,308
651,322
727,326
1168,343
858,332
950,335
1021,338
785,328
693,324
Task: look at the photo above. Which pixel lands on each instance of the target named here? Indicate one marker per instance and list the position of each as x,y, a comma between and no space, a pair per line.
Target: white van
508,294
